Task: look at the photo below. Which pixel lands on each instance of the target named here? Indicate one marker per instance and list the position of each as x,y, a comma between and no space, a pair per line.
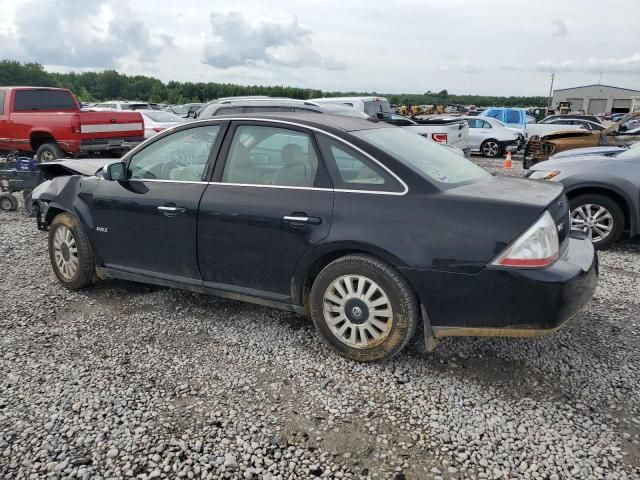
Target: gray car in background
603,192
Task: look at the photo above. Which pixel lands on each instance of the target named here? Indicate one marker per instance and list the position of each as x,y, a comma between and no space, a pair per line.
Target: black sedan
366,227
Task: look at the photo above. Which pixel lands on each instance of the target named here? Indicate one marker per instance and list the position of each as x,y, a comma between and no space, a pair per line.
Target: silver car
603,192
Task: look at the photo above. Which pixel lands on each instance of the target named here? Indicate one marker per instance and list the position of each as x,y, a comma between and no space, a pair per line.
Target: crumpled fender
65,194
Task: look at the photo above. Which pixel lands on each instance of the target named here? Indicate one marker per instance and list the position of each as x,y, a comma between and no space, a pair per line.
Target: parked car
50,123
519,118
155,121
623,133
237,105
493,138
121,105
372,106
615,117
187,110
603,191
451,131
579,122
571,116
367,227
579,152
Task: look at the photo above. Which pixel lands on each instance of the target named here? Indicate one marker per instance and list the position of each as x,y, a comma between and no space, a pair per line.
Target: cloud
559,28
236,42
81,33
629,64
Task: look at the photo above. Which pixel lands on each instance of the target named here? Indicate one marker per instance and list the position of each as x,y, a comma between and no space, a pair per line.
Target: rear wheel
491,148
598,216
49,152
8,202
363,308
70,252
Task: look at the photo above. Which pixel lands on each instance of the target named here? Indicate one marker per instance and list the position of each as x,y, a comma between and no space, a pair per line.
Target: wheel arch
322,255
614,194
37,138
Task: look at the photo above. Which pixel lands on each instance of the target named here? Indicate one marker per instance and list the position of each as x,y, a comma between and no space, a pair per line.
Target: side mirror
115,172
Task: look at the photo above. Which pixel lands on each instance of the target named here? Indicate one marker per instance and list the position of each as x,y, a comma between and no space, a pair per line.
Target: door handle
171,211
294,219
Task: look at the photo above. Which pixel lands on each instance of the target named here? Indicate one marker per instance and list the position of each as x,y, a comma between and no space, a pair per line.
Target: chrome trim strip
157,180
111,127
285,122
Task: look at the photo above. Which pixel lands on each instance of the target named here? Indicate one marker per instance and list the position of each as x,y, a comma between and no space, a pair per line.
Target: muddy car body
365,226
623,133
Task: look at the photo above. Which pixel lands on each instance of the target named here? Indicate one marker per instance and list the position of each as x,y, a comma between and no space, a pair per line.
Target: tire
66,230
383,290
8,202
602,208
49,152
28,201
491,148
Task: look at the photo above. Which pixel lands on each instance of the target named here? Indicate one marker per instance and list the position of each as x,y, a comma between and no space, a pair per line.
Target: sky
487,47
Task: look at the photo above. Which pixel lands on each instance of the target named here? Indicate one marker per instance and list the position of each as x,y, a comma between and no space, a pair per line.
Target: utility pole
551,93
600,81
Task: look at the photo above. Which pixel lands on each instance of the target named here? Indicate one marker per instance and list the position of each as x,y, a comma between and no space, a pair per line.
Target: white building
595,99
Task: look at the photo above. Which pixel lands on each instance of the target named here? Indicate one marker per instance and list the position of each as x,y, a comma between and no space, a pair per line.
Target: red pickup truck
49,123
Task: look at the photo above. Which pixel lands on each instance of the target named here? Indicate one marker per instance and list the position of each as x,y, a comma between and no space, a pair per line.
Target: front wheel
490,148
598,216
70,252
363,308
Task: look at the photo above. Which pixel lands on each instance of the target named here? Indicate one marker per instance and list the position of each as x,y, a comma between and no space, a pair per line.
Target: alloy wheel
595,220
65,252
5,204
357,311
491,149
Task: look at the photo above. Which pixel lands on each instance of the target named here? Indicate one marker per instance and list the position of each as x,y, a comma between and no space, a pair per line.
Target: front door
270,203
147,224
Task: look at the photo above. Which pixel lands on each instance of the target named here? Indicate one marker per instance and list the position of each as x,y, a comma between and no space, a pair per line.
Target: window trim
336,176
225,125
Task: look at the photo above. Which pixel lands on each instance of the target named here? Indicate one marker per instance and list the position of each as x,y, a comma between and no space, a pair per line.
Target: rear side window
1,102
351,170
512,117
43,100
268,108
224,111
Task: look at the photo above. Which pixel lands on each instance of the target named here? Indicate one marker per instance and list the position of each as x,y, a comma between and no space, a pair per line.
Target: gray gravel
133,381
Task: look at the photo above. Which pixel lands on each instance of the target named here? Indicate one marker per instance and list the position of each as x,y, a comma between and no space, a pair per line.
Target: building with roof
597,98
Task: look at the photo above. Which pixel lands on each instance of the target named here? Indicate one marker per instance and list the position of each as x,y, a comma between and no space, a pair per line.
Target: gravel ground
127,380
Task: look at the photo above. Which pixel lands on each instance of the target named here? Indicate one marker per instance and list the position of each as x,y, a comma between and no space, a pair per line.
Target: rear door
270,201
147,224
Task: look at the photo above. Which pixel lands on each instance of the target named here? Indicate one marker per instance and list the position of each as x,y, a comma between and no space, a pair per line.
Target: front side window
180,156
1,103
427,158
261,155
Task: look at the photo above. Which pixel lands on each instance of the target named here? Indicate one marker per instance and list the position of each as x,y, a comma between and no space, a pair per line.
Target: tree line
111,85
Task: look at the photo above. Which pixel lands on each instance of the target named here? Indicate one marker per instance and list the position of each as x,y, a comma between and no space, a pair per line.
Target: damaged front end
541,147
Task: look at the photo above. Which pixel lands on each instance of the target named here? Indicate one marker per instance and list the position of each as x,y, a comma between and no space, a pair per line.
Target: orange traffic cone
508,164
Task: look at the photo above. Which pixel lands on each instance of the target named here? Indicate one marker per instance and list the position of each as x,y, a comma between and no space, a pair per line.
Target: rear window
44,100
163,117
512,117
427,158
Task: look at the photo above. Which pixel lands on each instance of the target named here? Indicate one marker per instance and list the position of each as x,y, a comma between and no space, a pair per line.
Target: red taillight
157,129
439,137
75,124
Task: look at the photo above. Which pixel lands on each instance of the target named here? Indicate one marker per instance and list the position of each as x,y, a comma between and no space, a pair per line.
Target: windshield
162,116
633,152
427,158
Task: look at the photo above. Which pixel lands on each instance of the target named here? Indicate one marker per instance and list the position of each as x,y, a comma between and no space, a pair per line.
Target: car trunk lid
96,125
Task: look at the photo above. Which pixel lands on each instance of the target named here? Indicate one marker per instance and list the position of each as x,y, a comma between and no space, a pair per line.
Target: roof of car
342,122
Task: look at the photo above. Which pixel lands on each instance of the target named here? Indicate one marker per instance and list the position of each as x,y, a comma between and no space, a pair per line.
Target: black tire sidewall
614,209
11,199
86,268
53,148
405,316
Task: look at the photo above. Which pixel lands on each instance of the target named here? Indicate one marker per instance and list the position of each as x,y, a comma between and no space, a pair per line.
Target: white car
156,121
121,105
493,138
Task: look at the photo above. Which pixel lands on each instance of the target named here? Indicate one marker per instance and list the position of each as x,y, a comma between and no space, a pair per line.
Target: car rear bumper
509,302
107,144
